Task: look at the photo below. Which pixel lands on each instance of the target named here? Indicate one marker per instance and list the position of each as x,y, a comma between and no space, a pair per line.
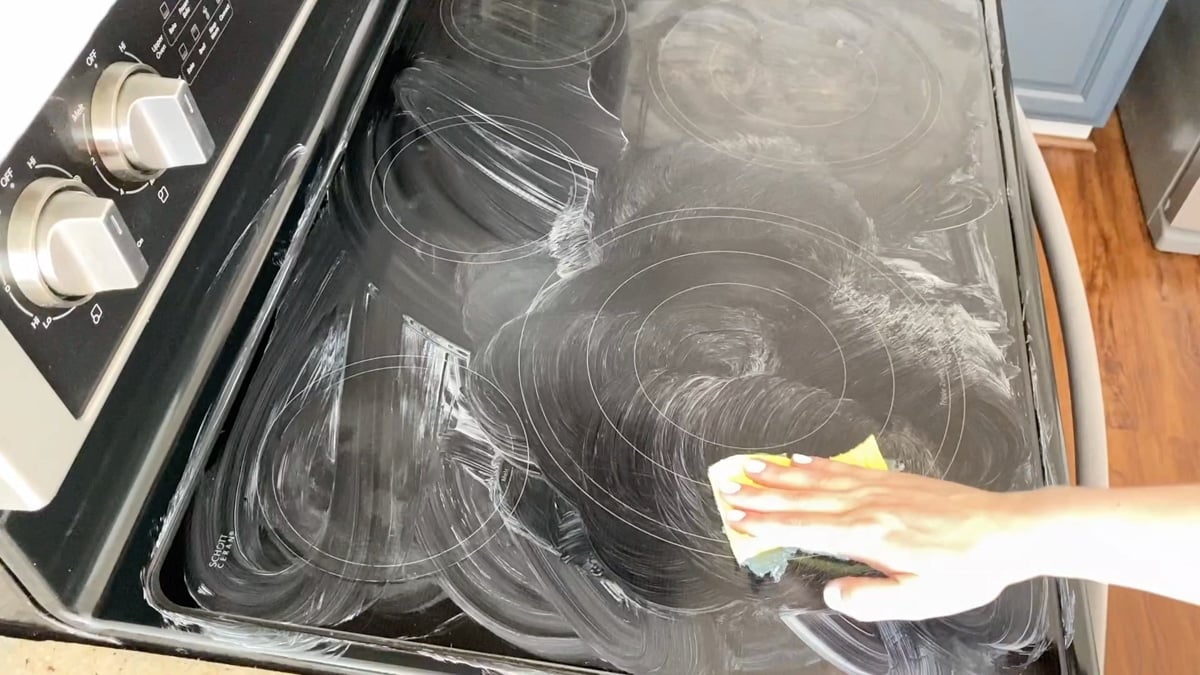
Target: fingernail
734,516
801,459
754,466
730,488
833,594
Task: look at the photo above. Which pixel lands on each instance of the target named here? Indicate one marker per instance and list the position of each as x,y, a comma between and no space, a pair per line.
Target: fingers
808,473
899,598
815,533
751,498
888,599
818,486
863,599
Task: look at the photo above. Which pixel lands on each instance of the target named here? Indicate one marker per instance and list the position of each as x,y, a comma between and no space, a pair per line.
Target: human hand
945,548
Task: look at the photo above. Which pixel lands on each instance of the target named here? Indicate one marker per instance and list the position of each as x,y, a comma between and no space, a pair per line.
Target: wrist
1060,527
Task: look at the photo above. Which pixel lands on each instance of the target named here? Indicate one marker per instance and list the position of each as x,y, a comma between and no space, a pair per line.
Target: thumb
898,598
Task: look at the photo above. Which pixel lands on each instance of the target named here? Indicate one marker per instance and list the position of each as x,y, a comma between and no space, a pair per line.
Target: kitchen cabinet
1071,59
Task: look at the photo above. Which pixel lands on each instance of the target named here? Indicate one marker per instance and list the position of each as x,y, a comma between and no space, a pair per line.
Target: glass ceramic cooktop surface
578,252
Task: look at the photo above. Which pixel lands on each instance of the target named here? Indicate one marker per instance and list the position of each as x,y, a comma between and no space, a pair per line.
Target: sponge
765,556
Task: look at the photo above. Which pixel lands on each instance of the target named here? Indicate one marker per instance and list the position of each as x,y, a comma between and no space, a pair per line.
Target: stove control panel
101,195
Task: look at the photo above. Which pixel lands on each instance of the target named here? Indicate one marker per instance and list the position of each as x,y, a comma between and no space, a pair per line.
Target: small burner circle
813,70
528,36
533,139
779,295
410,568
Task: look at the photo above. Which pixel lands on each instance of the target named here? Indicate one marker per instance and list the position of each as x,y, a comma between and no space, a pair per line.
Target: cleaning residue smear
578,254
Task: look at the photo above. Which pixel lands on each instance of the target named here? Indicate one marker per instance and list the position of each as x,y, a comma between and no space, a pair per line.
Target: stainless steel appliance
1159,121
386,336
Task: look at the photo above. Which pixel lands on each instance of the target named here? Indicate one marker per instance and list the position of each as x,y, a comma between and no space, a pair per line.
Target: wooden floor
1146,310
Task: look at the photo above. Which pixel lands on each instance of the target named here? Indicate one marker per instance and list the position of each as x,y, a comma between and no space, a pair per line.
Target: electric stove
440,389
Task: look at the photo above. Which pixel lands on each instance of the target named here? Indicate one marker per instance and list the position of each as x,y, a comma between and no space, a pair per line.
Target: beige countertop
28,657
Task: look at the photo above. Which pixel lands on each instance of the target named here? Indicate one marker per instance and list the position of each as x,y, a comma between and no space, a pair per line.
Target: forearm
1143,538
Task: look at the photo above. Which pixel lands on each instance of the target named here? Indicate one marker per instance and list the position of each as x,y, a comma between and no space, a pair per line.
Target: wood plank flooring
1146,309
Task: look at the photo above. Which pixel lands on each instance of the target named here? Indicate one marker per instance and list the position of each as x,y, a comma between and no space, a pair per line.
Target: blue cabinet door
1071,58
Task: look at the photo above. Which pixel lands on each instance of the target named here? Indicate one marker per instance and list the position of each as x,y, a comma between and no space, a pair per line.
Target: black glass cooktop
578,252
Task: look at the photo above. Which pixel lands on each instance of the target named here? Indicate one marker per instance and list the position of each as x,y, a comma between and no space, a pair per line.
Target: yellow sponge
763,555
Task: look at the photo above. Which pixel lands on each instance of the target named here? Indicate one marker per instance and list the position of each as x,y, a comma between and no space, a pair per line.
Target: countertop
39,657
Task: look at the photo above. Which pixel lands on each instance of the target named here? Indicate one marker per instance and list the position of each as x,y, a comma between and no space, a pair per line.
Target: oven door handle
1079,339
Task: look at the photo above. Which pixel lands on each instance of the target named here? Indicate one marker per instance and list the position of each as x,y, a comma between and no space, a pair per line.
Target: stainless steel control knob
144,123
65,244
